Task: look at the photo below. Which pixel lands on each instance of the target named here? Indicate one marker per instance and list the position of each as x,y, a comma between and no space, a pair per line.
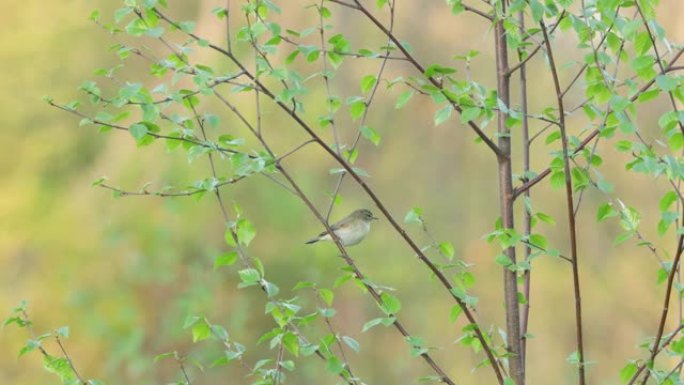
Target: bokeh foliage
126,273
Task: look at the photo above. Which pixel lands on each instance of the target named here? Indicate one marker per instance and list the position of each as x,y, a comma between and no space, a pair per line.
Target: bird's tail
310,241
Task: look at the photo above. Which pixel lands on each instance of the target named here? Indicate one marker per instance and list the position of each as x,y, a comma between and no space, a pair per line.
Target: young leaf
390,304
225,259
403,98
245,231
443,114
367,83
415,215
447,249
352,343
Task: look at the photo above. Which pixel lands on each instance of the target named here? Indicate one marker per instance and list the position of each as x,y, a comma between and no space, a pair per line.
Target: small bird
350,230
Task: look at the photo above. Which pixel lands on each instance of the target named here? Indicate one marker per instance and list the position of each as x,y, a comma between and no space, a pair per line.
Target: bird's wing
341,225
335,227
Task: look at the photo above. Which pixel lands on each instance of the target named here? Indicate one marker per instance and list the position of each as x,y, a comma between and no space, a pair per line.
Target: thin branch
294,150
340,347
181,364
659,61
536,49
29,325
71,363
664,345
368,102
432,80
666,304
570,207
529,184
164,194
152,134
527,276
362,183
676,368
359,275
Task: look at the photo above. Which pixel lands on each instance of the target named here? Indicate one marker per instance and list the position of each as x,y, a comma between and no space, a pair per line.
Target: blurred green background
125,273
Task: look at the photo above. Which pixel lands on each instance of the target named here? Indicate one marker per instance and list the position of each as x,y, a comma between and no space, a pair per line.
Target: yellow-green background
124,273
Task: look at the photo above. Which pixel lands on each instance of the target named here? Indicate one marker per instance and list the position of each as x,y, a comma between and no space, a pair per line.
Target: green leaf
574,358
245,231
456,311
327,296
676,141
503,260
352,343
623,237
470,114
229,237
537,10
30,346
390,304
325,12
225,259
623,145
136,27
201,331
138,131
558,179
415,215
369,133
628,371
372,323
163,356
291,343
327,313
404,98
94,15
187,26
666,83
121,13
648,95
367,83
249,276
438,69
538,240
99,181
63,332
443,114
61,367
545,218
313,56
667,200
605,211
553,137
605,186
642,43
447,249
335,366
357,109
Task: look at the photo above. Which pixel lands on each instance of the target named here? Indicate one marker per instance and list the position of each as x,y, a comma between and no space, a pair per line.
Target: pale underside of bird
350,230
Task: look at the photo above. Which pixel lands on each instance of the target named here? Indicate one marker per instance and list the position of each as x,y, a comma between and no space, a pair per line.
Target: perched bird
350,230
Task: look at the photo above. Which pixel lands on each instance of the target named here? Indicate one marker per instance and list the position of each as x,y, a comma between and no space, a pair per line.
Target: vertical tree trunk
517,370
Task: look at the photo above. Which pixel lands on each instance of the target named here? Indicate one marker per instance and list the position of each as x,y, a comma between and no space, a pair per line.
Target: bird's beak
375,218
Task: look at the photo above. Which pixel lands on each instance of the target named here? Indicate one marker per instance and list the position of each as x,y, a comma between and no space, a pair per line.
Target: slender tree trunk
517,370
